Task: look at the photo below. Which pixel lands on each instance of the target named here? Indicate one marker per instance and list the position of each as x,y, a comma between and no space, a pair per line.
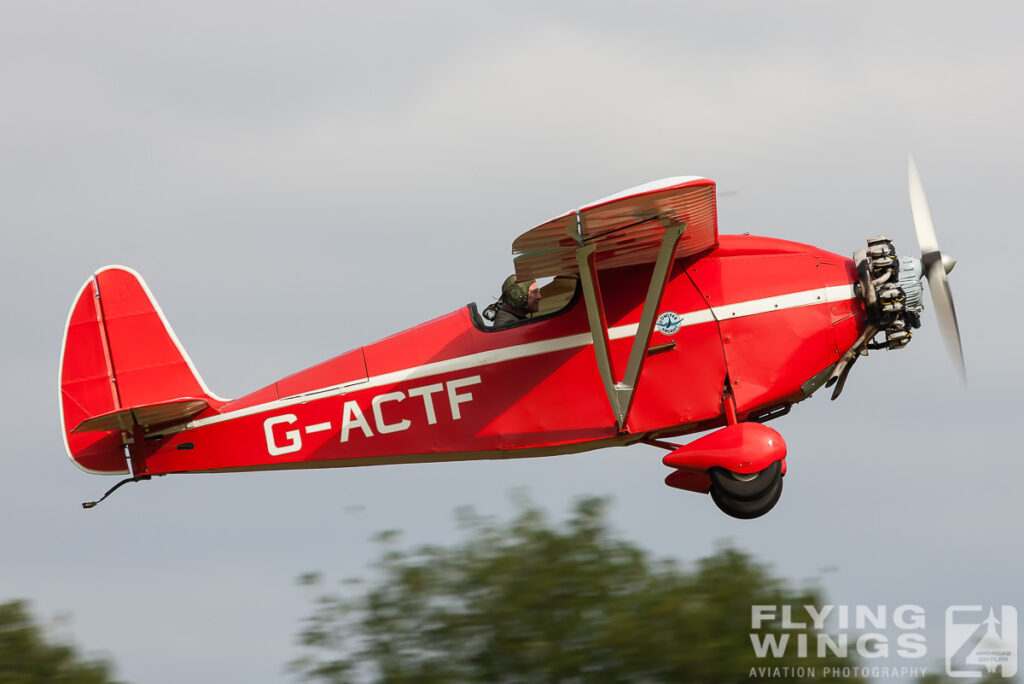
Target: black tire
747,510
745,487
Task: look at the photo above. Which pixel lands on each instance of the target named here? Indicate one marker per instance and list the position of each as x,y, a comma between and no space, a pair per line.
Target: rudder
121,367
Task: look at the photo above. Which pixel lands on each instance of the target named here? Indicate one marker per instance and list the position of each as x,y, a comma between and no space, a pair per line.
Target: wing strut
621,393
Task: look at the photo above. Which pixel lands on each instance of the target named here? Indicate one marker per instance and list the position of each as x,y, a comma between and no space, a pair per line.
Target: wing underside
625,229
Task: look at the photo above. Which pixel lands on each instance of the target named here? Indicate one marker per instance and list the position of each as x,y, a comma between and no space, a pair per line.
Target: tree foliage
529,601
27,657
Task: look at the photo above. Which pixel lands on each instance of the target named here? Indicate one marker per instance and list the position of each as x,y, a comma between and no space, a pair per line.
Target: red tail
121,369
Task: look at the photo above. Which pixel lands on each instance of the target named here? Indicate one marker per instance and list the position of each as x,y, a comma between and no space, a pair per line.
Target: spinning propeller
935,265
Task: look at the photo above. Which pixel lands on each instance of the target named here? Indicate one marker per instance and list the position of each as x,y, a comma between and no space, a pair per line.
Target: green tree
26,657
528,601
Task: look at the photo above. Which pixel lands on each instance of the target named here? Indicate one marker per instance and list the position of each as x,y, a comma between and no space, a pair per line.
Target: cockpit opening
513,307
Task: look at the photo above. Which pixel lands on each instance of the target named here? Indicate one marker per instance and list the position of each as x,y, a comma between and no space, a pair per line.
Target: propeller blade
942,299
935,266
926,239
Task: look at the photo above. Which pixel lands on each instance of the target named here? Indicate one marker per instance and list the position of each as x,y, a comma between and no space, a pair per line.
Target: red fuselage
768,317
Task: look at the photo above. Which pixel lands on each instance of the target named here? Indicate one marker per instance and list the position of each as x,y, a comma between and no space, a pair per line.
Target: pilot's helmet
514,293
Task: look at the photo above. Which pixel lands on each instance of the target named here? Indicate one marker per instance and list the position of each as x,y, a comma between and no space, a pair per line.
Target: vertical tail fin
121,368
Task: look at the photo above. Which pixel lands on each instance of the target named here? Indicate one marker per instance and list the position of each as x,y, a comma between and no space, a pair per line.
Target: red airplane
653,326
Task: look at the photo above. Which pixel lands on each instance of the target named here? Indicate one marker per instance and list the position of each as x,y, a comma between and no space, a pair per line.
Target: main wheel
745,487
747,509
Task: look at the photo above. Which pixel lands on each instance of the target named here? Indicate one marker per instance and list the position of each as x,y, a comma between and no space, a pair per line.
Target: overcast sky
298,179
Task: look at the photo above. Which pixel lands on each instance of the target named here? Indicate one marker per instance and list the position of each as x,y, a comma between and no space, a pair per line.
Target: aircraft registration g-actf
652,327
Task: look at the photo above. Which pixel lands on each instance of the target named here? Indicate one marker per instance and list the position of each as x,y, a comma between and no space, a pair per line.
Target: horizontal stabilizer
164,413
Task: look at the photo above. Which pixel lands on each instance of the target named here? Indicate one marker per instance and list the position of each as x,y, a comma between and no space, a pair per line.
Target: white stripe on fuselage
835,293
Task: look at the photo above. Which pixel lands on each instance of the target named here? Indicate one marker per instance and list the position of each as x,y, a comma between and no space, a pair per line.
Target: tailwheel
746,497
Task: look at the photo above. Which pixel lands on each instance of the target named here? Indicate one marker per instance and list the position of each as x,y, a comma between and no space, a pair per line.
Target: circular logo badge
669,323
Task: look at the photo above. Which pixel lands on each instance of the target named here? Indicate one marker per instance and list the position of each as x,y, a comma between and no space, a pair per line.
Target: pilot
517,303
